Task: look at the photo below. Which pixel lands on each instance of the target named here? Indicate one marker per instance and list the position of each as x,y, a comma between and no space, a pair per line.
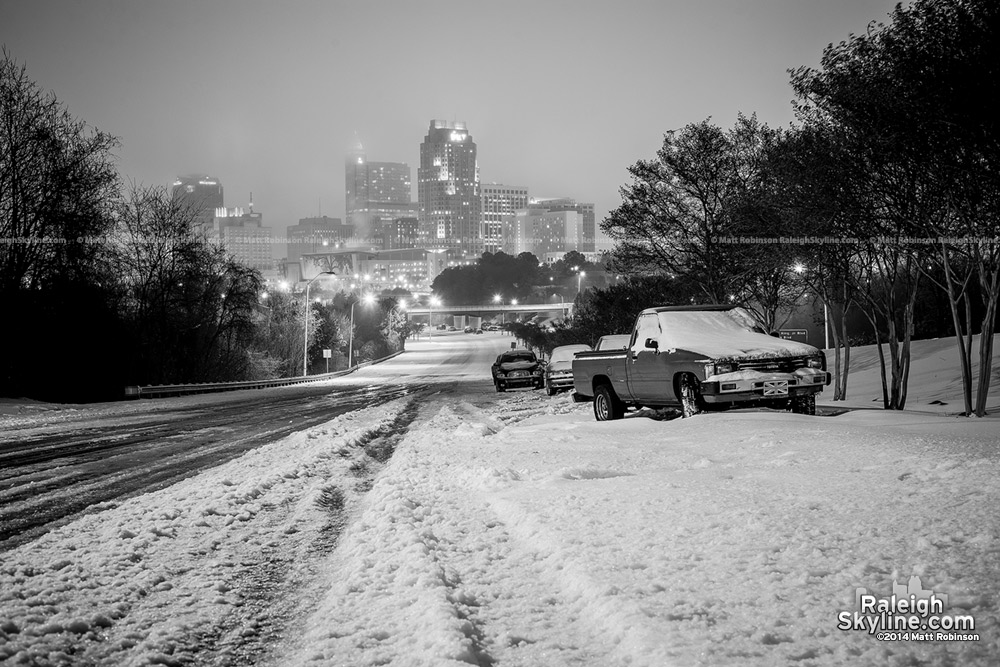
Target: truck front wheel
607,405
689,394
804,405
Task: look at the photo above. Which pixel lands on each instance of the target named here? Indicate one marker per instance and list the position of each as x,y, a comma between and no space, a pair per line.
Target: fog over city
268,98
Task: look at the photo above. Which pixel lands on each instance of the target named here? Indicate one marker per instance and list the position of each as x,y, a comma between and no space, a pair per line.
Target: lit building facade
244,236
413,269
376,192
202,196
316,235
586,238
542,232
498,208
400,233
448,188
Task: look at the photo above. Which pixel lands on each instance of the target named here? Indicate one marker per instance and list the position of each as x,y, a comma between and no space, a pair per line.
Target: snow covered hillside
935,383
513,529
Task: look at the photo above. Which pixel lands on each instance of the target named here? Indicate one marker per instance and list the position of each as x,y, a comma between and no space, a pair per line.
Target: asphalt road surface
61,461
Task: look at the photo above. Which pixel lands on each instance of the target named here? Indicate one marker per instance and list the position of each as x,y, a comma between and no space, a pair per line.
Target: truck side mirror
652,343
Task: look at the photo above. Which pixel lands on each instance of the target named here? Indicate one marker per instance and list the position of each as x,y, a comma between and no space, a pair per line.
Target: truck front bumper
750,386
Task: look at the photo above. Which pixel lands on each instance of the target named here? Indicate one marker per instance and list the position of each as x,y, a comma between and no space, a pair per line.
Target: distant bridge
490,310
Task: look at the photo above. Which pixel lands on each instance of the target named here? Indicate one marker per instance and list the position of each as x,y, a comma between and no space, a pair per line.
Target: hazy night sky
559,96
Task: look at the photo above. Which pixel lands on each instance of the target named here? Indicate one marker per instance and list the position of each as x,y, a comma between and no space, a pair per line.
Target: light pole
800,269
497,298
305,327
433,301
368,298
263,297
513,302
579,278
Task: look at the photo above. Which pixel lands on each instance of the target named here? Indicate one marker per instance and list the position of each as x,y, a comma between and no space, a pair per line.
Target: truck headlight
720,367
815,362
725,367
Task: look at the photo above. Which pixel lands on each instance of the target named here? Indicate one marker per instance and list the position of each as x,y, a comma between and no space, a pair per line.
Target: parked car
468,329
518,368
479,331
559,370
613,342
699,357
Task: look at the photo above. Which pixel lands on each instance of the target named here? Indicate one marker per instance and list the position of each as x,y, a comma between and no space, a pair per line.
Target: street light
270,311
433,301
800,269
497,298
367,299
305,345
579,277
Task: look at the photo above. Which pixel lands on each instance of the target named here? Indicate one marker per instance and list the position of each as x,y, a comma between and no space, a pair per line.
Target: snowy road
513,530
52,469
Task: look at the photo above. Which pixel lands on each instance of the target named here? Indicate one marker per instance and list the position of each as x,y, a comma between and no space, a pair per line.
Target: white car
559,372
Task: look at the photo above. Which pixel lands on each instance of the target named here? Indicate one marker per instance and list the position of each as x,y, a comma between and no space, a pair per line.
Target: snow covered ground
513,529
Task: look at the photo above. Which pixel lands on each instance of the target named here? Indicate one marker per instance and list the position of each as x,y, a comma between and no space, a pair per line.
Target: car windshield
509,358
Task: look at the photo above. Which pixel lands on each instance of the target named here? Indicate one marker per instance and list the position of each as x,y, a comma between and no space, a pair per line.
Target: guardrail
161,390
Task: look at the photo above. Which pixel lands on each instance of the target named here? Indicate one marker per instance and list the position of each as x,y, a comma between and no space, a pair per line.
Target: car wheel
607,405
804,405
690,396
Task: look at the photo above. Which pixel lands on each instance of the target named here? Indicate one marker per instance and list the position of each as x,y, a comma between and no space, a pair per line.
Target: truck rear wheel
607,405
689,394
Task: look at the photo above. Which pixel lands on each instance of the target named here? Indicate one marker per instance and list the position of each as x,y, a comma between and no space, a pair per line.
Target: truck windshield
694,328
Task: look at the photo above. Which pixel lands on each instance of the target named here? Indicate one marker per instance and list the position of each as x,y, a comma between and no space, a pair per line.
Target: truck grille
785,365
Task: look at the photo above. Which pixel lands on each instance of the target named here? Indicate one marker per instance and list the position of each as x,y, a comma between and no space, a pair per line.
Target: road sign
800,335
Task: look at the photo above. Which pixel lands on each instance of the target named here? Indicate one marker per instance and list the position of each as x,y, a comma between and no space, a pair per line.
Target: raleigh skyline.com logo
911,613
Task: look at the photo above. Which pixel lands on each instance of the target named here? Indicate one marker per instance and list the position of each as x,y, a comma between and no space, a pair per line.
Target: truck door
646,380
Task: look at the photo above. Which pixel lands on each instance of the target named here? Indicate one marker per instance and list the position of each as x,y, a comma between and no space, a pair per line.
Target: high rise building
245,237
201,195
448,188
498,207
313,235
377,192
586,238
542,232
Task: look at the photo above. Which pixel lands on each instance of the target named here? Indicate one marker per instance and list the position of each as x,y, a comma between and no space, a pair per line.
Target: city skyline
561,97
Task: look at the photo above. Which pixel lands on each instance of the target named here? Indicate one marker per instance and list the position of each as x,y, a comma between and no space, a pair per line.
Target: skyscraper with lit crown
448,188
200,195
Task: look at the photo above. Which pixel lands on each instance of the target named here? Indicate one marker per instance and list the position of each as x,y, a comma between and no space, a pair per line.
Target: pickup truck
698,358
